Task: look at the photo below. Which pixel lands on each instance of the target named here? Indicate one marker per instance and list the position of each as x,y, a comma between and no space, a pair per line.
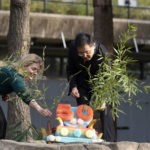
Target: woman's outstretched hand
46,113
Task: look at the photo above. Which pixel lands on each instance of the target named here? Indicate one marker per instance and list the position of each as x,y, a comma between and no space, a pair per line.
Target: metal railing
129,8
85,3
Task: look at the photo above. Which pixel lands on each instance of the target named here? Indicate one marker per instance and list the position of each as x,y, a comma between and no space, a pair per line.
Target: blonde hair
29,59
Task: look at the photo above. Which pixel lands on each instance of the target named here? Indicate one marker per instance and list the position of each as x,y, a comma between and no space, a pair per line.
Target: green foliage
21,134
17,131
76,9
33,87
38,95
122,12
38,133
146,89
112,84
5,4
57,8
61,8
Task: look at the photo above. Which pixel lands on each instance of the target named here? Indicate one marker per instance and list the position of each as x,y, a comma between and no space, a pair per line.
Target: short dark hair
83,38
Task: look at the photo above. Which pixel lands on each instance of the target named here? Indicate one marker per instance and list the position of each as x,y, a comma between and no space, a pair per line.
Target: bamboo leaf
112,82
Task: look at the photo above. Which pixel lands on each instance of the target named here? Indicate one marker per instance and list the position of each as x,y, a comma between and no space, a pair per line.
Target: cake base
63,139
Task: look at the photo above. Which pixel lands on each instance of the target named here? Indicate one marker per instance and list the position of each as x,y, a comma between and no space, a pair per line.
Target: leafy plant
20,134
113,84
38,94
33,87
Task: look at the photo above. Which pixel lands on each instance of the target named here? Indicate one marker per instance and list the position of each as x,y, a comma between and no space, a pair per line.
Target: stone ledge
38,145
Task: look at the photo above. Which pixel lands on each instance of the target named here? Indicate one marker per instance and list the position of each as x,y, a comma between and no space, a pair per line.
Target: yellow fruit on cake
64,131
89,134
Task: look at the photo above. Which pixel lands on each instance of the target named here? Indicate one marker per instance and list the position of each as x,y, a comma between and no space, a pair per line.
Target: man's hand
75,93
103,106
5,97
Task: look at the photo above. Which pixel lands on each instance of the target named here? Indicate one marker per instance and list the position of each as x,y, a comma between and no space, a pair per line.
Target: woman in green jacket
12,80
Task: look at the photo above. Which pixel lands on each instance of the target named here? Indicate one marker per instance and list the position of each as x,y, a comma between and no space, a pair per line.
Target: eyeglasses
83,53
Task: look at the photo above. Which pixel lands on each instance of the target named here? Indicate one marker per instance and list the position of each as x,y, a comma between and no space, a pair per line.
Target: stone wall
124,145
50,26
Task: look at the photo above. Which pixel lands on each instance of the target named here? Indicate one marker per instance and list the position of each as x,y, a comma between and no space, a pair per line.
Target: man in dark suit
84,52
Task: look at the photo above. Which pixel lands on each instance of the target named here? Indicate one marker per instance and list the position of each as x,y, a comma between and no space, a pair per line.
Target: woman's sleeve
19,87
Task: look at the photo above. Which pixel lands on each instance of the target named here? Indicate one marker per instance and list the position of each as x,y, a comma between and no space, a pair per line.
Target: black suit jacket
77,73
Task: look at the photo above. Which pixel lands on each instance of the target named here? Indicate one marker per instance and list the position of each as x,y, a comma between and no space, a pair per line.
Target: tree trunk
103,32
19,31
103,23
18,43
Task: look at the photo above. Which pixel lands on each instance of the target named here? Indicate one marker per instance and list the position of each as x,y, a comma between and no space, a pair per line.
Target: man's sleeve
71,71
104,50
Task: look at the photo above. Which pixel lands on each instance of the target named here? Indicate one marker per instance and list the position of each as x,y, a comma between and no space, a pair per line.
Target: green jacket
12,81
